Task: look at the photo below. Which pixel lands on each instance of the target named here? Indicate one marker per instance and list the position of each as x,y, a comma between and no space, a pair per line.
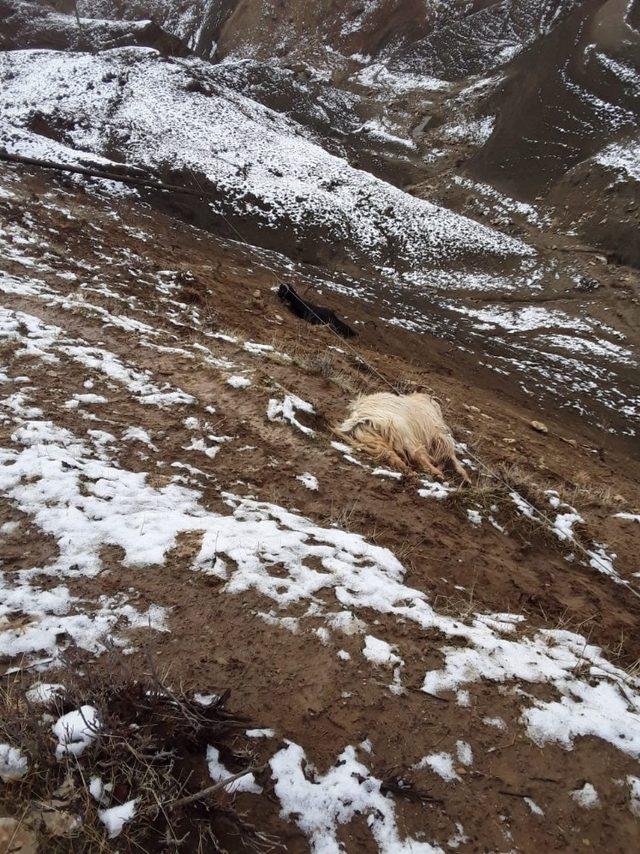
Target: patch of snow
590,347
502,622
200,445
441,764
382,472
622,157
465,754
9,527
435,489
239,382
42,693
76,730
285,410
221,336
474,517
137,434
474,131
13,764
602,561
525,508
554,657
356,24
563,524
379,652
99,791
205,699
257,349
345,622
458,838
496,723
308,480
115,818
463,699
49,342
533,806
634,794
502,204
586,797
379,76
319,803
347,453
218,773
90,398
375,129
323,633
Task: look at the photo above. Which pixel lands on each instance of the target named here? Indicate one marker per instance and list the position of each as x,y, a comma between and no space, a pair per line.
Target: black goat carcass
315,314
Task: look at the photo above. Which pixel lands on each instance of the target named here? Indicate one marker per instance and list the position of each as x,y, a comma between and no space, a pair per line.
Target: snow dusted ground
101,454
167,477
622,157
77,495
263,167
565,358
172,115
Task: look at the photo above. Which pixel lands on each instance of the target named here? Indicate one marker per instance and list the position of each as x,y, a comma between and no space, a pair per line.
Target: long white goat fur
406,423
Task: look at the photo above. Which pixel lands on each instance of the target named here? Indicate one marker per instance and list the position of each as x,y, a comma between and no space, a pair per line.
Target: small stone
60,822
22,839
539,426
587,284
66,789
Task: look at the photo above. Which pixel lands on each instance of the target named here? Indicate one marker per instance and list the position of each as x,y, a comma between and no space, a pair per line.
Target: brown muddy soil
292,681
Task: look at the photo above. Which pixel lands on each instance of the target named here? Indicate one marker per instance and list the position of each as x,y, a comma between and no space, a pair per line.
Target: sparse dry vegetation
150,745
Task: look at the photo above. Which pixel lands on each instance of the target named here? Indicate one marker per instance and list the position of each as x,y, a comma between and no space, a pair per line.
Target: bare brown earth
292,682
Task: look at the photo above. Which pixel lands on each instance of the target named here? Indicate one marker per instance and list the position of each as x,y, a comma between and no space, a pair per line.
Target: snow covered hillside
129,104
222,627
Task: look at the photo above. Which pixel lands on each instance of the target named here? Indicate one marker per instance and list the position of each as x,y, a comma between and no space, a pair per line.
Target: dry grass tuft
150,745
322,364
590,495
343,516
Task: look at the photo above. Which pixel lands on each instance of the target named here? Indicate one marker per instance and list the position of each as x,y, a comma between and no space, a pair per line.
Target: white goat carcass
403,431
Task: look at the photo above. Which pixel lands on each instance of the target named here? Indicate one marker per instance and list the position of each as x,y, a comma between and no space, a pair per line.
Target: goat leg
460,469
380,450
421,459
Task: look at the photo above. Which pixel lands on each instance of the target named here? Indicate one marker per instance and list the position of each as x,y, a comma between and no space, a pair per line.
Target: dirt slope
564,99
125,285
414,666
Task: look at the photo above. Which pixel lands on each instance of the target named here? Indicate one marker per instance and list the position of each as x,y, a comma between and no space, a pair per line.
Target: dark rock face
564,99
476,40
601,200
55,26
449,40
